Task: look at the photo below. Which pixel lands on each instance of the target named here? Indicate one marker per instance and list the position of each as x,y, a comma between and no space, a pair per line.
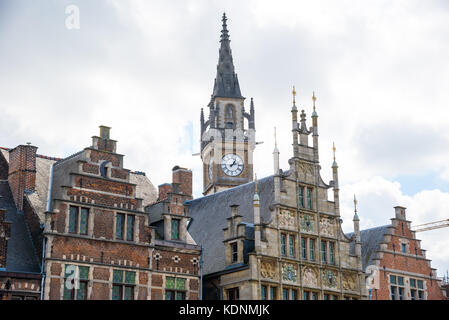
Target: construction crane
431,225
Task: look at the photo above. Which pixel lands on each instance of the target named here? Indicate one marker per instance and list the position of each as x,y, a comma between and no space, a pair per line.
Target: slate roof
209,215
144,188
371,240
38,198
21,256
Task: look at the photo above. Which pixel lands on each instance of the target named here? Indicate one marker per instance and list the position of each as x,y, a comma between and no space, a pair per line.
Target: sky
379,70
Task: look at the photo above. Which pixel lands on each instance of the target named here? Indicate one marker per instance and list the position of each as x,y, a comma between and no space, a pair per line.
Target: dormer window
234,253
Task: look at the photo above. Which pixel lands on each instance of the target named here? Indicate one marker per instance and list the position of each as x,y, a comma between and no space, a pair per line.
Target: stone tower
227,140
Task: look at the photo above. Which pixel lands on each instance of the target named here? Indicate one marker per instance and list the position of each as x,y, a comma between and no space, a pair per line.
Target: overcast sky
379,70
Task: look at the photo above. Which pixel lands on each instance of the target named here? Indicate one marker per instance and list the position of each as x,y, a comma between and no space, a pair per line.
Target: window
78,220
291,245
284,294
312,249
283,245
233,294
273,293
396,287
235,252
123,285
323,252
310,295
129,227
301,197
119,226
263,292
175,288
331,253
288,294
124,227
403,248
75,282
416,289
73,219
175,229
309,198
303,248
268,292
306,295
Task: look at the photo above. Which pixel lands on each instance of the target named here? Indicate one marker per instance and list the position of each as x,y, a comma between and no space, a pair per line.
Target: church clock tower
228,136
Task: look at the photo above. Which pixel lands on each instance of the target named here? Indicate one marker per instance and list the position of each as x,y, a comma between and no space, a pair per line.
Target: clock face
232,165
211,163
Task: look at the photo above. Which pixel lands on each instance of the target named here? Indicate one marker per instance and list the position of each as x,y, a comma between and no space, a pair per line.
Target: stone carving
289,272
307,223
309,277
305,168
327,226
287,219
349,282
268,270
330,278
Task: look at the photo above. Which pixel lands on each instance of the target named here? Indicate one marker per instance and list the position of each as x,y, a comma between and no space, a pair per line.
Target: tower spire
226,83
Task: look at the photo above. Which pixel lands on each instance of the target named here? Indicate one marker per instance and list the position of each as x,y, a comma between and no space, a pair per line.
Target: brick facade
401,263
99,235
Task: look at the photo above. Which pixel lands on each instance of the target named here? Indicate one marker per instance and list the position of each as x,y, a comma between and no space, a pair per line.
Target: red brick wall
164,190
22,285
397,261
90,168
184,178
102,199
96,156
99,184
184,265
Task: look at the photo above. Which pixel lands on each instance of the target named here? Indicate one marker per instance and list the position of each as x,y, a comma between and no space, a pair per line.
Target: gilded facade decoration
327,226
268,269
330,278
349,281
289,272
307,223
287,219
309,277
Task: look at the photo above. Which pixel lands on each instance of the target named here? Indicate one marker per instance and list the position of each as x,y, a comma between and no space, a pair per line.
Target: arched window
230,116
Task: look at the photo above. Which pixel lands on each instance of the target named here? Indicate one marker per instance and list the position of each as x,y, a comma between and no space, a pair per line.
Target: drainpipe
44,241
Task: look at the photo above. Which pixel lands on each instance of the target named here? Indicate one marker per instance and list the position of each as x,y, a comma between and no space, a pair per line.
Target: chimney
183,177
103,142
164,190
22,172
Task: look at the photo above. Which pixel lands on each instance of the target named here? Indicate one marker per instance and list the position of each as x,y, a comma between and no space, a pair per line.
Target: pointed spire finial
334,149
356,217
275,139
256,184
294,96
314,99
